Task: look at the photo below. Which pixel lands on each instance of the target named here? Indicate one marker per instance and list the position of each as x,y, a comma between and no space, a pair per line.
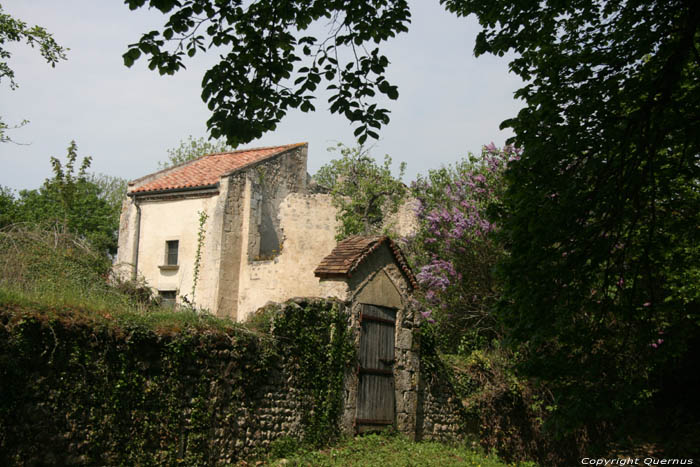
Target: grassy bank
384,450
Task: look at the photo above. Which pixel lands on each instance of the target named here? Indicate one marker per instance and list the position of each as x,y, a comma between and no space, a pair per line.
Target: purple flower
426,316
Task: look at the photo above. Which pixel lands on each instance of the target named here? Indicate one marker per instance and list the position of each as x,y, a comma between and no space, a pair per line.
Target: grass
387,450
53,273
91,309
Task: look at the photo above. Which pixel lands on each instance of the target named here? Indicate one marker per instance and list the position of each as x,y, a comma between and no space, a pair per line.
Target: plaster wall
178,219
307,226
404,221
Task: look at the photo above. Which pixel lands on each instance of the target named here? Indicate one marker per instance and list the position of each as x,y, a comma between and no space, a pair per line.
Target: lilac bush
455,247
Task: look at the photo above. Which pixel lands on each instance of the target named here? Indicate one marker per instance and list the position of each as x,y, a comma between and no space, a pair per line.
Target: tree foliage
456,247
271,62
600,217
193,148
15,30
601,276
363,191
83,204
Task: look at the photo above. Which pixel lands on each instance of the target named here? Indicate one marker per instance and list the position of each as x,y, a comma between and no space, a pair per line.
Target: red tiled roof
207,170
347,256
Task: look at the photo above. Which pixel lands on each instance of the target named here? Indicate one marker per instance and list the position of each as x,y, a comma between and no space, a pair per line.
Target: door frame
367,424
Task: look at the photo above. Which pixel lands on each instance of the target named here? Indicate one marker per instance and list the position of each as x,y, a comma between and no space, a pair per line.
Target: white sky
450,102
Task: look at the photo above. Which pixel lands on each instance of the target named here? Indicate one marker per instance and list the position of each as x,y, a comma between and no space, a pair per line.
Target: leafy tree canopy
600,218
81,203
193,148
363,191
270,63
14,30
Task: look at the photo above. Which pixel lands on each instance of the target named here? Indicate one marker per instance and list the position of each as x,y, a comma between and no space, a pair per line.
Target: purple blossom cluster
455,230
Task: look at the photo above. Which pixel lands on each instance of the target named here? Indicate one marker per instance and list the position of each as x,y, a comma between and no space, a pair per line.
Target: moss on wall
74,391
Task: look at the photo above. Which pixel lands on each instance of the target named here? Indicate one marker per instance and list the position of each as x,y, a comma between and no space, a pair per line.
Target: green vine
316,339
201,235
170,398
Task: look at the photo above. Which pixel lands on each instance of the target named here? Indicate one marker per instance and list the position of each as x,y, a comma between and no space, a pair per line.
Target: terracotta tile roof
347,256
205,170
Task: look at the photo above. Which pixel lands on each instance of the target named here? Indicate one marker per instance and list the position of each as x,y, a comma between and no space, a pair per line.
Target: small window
168,297
171,247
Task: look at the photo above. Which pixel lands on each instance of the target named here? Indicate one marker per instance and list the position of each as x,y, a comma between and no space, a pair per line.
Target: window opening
168,297
171,252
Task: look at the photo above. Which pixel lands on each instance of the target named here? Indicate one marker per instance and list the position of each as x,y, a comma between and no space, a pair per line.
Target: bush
61,268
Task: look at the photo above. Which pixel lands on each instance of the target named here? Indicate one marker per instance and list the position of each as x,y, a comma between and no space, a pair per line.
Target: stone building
371,274
268,237
265,231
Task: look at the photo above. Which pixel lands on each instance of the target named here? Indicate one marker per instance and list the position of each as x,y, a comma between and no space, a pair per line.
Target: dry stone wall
76,391
84,393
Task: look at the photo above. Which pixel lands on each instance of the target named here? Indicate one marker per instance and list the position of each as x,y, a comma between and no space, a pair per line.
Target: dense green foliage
184,393
363,191
271,63
15,30
84,204
192,148
602,279
316,338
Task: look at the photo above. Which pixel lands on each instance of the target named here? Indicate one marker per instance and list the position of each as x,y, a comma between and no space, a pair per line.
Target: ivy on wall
320,348
77,392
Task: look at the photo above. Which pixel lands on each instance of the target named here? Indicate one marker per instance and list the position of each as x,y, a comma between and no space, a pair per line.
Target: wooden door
375,394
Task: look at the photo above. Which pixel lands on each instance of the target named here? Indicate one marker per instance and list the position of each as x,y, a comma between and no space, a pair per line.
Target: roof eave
169,191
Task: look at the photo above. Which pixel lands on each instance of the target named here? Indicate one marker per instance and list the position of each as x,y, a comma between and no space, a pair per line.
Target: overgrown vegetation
388,449
455,249
162,380
73,200
363,191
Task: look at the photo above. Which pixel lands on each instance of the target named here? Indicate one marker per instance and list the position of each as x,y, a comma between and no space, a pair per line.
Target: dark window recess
168,297
171,252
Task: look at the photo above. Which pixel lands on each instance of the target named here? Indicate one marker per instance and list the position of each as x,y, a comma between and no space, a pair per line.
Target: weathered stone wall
76,392
440,414
378,281
269,183
308,226
404,221
232,246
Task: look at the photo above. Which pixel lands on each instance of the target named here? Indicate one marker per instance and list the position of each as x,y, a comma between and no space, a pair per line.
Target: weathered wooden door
375,394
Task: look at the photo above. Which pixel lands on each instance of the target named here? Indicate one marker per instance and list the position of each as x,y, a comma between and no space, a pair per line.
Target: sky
450,102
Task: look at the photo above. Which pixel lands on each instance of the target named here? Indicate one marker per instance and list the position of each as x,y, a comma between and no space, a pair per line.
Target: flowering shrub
456,246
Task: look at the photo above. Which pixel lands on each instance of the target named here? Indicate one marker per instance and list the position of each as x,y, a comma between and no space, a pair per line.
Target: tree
269,62
111,189
8,207
363,191
193,148
602,279
456,248
75,203
14,30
